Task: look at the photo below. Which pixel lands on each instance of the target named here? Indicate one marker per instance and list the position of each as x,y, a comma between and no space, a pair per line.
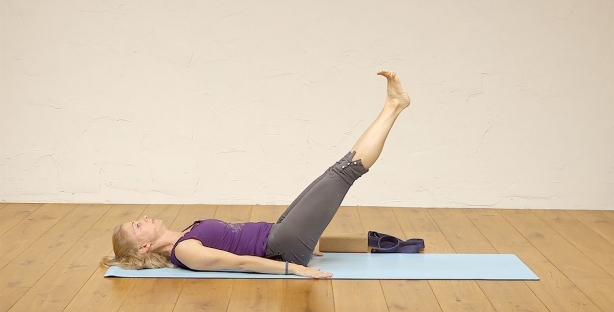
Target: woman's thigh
295,237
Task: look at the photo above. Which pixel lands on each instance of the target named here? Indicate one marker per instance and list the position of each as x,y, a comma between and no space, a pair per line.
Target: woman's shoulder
187,244
189,241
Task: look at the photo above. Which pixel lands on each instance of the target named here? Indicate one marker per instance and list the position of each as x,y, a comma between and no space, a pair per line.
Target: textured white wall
244,102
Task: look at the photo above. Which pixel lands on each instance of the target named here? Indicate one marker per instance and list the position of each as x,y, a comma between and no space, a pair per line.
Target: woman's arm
194,255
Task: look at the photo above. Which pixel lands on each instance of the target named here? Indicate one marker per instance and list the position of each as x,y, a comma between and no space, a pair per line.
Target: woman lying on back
281,248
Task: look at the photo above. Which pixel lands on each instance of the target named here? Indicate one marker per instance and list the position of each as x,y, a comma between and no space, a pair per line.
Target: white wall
244,102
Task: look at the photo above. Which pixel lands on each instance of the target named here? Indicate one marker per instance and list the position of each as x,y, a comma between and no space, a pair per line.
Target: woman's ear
144,248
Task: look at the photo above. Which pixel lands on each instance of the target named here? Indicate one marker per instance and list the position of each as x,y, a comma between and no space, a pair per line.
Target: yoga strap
384,243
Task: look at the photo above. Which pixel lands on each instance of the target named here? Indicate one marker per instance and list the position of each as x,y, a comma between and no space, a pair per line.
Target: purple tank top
248,238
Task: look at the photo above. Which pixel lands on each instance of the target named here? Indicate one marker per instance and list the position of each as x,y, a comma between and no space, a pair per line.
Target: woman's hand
300,270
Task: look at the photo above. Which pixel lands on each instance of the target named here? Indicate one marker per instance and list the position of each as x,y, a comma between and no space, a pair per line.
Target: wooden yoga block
344,243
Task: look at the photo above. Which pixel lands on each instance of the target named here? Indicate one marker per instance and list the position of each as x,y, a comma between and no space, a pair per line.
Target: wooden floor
49,262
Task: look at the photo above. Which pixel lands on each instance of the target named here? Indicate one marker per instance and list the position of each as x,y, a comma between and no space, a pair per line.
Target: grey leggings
299,228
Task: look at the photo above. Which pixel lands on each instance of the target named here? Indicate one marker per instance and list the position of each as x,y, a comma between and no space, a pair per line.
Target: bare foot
395,96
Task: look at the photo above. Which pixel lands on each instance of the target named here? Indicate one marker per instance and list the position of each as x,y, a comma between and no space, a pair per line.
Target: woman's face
144,231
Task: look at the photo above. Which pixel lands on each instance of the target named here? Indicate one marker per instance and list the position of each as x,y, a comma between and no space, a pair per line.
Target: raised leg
301,225
299,198
369,146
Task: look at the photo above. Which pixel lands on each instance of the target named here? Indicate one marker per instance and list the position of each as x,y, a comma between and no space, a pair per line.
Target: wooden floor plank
381,220
153,294
266,213
191,213
98,293
233,213
400,295
2,205
464,238
597,221
74,272
11,214
599,290
608,213
505,295
307,295
591,244
204,295
570,260
166,213
460,296
555,290
19,275
55,290
417,222
581,236
403,295
345,221
358,295
27,231
460,232
503,236
157,294
255,295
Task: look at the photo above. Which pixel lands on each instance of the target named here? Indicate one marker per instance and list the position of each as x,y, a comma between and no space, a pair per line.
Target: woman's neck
167,240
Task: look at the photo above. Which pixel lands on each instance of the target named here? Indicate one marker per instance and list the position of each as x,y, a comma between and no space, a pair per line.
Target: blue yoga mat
378,266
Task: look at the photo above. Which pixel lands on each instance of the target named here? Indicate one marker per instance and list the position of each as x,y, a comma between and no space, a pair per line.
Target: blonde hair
128,257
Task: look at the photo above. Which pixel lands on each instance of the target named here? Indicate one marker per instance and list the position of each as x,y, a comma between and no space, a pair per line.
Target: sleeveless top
248,238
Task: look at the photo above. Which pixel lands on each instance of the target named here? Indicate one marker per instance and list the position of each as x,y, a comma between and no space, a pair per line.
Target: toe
387,74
